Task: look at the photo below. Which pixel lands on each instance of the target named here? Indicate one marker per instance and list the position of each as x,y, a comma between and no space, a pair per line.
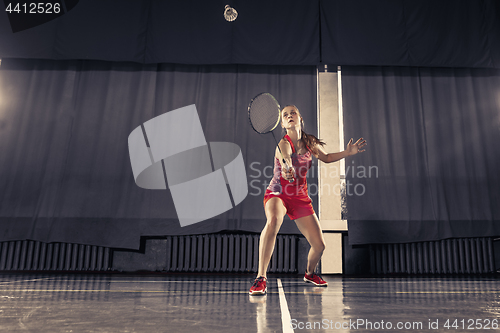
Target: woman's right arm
286,151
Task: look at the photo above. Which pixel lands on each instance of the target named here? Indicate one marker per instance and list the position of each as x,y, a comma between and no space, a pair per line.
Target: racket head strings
264,113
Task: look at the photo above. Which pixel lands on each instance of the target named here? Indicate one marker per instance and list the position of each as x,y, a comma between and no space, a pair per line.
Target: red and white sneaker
259,286
315,279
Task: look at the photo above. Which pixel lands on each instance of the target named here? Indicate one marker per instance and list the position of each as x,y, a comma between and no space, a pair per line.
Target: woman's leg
275,212
309,226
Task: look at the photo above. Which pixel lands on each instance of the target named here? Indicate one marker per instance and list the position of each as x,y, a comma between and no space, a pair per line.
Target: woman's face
290,117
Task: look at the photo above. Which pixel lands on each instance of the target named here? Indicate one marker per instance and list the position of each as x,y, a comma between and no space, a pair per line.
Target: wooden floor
220,303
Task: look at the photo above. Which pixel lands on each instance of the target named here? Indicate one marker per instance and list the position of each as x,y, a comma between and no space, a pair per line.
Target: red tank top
301,164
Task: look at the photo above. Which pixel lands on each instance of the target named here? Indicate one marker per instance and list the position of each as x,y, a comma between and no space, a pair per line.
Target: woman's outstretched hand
354,148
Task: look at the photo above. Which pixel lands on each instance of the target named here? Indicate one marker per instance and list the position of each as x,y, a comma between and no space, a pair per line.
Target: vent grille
199,253
450,256
38,256
228,253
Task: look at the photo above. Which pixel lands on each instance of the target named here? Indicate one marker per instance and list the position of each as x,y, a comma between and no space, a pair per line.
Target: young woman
287,194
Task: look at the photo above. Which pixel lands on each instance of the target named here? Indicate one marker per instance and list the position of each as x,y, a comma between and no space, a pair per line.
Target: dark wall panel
427,33
448,33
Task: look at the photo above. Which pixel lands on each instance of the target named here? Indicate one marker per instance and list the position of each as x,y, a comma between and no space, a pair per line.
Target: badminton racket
264,113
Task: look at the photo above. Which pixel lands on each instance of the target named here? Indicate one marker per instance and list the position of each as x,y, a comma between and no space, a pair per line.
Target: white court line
209,282
21,281
285,314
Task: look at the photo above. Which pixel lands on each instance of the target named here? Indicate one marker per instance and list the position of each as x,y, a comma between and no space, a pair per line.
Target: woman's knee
320,246
274,222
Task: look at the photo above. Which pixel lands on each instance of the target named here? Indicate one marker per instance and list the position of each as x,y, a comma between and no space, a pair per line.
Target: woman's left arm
352,149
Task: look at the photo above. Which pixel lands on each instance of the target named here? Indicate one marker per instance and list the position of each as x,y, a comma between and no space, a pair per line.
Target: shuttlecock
230,14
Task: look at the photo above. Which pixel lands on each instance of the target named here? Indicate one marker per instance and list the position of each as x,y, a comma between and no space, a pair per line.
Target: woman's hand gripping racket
264,114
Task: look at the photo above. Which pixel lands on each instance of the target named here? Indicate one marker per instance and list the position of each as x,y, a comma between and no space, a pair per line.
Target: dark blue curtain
65,169
431,168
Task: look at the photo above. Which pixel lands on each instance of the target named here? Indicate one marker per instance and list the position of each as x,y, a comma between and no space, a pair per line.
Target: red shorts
297,206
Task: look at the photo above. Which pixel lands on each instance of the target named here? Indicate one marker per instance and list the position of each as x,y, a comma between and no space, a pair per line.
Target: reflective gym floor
220,303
